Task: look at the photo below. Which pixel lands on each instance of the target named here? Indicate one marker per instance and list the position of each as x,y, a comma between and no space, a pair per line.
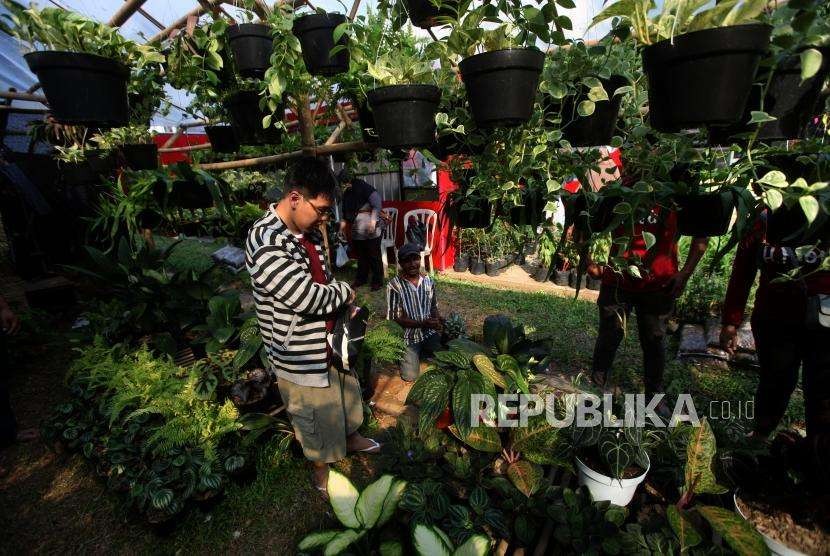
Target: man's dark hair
311,177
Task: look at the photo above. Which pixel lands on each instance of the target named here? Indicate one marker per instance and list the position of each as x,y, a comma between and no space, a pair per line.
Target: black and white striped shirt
403,298
291,307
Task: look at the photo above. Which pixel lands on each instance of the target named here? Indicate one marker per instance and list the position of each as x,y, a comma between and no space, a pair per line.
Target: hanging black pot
501,85
596,129
703,77
462,263
475,215
423,13
405,115
246,119
367,122
251,45
477,266
706,215
787,226
188,194
82,89
222,138
531,213
597,218
561,277
316,35
791,102
143,156
96,168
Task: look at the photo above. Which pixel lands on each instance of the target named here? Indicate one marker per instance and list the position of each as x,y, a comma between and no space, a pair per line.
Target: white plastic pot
774,546
602,487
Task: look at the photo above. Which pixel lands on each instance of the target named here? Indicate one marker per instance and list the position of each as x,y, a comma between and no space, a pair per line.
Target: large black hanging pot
143,156
83,89
475,214
791,102
246,119
596,129
222,138
424,13
405,115
316,35
501,85
704,215
703,77
531,212
367,122
251,45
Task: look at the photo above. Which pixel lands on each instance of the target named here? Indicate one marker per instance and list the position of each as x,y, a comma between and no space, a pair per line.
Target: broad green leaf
316,540
476,545
429,543
810,63
773,198
585,108
649,240
370,502
339,31
759,117
553,185
683,528
390,503
809,205
634,271
540,442
266,121
700,452
738,534
391,548
597,94
774,178
525,476
343,496
557,90
482,438
622,208
342,541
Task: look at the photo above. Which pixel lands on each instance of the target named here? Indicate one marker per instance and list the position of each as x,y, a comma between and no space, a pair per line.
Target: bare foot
320,478
359,443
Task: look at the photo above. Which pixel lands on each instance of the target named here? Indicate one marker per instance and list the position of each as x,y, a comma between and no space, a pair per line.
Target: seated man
411,303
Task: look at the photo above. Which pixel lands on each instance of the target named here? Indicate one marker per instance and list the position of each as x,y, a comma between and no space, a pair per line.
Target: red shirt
785,302
658,264
318,275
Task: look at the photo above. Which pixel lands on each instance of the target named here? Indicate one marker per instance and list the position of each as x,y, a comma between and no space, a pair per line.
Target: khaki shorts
323,417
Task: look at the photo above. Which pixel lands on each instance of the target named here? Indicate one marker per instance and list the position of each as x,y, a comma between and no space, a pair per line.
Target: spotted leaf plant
361,513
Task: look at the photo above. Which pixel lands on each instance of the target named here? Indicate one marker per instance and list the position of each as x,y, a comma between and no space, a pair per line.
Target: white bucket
602,487
774,546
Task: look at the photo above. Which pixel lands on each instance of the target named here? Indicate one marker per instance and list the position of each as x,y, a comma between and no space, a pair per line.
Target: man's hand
352,297
9,321
729,338
373,224
676,283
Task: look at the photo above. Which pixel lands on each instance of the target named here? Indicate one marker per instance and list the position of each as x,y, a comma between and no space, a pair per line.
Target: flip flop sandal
374,448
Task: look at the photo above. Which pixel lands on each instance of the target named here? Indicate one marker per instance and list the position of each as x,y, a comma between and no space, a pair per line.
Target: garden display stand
251,45
501,85
315,32
703,77
82,89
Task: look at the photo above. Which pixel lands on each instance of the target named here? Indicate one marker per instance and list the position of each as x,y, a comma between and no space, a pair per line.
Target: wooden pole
151,19
199,147
172,138
14,95
353,11
124,13
306,120
354,146
178,24
19,110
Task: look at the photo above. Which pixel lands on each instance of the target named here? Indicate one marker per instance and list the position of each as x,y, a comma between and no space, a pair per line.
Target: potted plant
324,40
700,63
133,143
248,111
405,104
82,166
222,138
501,80
583,87
250,43
83,66
428,13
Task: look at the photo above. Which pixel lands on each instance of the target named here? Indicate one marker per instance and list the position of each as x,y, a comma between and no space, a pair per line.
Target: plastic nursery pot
594,284
316,35
492,267
246,119
251,45
602,487
501,85
461,264
82,89
141,156
596,129
531,212
707,215
791,102
573,279
477,266
703,77
367,122
423,13
405,115
775,547
561,277
222,138
477,216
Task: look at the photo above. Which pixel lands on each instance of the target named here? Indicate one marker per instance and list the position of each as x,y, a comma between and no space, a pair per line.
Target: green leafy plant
362,513
582,526
429,541
117,137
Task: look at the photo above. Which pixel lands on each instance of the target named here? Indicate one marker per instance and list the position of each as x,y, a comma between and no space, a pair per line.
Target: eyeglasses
322,213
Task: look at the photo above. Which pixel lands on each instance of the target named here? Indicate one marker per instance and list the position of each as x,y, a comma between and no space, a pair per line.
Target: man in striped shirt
297,301
411,302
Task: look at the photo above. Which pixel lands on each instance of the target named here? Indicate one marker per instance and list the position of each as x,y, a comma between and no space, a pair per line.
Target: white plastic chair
387,239
430,220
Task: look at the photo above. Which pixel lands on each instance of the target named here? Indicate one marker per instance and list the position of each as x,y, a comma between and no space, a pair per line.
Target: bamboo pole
178,24
188,148
353,146
172,139
124,13
20,110
353,11
14,95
